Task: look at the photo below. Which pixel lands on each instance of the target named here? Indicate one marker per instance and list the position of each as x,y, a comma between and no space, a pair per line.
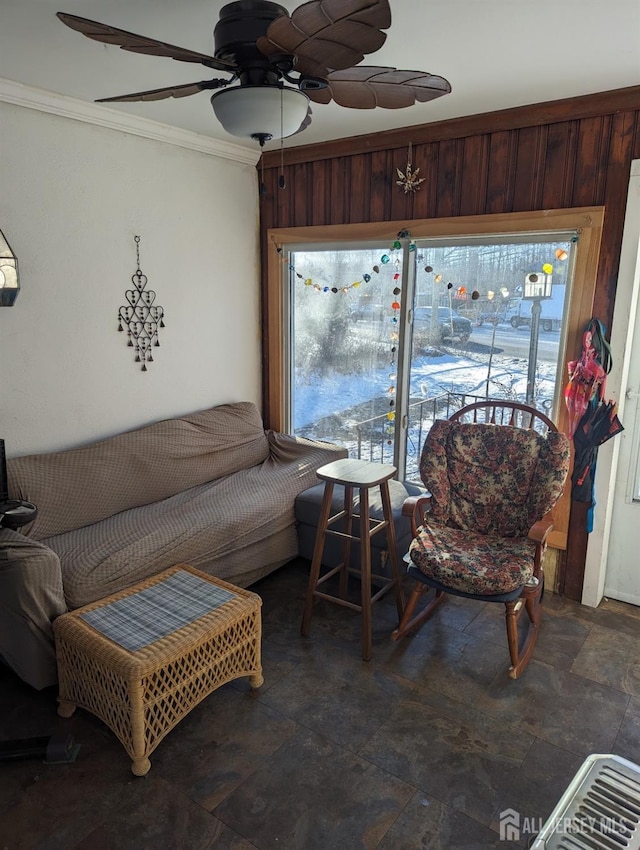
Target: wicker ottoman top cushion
147,615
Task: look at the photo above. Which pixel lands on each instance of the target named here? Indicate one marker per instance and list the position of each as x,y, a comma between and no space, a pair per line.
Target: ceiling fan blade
366,87
140,43
327,35
169,91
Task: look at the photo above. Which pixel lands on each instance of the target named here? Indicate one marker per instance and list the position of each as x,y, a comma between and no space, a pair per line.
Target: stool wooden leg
365,572
346,543
396,574
316,561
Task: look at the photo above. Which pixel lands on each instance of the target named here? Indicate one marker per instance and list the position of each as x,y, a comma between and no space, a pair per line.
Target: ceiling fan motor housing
235,35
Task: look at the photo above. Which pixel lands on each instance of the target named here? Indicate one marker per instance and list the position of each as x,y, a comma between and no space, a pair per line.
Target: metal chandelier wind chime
141,317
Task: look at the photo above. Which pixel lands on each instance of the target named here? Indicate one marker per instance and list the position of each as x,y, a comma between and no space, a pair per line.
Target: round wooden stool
363,475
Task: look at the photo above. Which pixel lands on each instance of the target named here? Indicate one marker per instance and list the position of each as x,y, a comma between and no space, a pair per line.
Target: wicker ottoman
141,659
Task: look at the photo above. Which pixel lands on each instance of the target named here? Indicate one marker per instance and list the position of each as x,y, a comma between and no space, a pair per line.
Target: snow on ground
430,376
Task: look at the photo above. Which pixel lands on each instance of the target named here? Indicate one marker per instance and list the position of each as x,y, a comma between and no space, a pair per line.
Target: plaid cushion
155,612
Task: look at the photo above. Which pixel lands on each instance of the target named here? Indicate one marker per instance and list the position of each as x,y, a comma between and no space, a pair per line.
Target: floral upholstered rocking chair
482,528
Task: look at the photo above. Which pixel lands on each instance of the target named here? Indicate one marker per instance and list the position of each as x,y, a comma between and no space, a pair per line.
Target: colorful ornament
385,259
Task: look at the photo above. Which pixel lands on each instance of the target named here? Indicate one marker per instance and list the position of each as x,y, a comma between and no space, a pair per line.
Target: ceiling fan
315,50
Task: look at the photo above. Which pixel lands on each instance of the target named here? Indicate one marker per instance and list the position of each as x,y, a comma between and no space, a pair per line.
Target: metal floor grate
600,810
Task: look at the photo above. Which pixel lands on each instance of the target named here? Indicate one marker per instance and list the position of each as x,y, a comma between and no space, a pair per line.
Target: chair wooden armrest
415,507
540,530
539,533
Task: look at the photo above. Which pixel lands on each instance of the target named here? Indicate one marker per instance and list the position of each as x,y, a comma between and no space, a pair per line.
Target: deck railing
374,436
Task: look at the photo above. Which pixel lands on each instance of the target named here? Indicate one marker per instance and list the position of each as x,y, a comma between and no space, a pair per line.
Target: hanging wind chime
141,317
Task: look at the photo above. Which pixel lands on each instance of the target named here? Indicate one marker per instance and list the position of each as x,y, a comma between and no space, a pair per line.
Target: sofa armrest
286,448
31,597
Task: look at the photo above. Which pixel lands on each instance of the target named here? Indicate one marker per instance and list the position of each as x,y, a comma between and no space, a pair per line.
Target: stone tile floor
419,749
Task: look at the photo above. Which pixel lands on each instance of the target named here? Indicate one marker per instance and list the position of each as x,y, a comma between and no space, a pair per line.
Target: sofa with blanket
213,489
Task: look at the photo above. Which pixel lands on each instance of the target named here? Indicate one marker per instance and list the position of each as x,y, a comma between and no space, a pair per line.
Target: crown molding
101,116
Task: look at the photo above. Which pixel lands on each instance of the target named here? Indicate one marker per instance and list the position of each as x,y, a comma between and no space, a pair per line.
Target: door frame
621,339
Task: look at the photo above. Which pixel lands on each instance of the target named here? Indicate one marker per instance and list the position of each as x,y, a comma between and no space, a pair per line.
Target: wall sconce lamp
9,285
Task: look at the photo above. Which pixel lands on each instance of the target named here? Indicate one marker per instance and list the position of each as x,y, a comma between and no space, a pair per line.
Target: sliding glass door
384,338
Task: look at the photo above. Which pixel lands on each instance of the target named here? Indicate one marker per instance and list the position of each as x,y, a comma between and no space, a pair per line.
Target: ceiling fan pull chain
263,188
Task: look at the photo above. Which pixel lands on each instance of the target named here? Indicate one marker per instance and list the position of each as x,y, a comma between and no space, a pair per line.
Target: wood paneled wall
557,155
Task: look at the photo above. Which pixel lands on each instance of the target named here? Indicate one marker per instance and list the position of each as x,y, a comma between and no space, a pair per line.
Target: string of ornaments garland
460,292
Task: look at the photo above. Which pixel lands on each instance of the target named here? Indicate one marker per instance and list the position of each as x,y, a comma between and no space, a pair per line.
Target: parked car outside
367,312
449,326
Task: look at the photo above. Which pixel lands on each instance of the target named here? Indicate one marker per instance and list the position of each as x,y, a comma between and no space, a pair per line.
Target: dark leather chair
493,472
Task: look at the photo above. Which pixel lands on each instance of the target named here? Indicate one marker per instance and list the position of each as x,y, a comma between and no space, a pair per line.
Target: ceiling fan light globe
254,111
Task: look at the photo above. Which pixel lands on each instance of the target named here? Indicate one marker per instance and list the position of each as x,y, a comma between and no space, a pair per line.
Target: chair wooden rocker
493,472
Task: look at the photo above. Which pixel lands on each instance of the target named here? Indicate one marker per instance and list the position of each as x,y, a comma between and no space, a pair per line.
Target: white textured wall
72,197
